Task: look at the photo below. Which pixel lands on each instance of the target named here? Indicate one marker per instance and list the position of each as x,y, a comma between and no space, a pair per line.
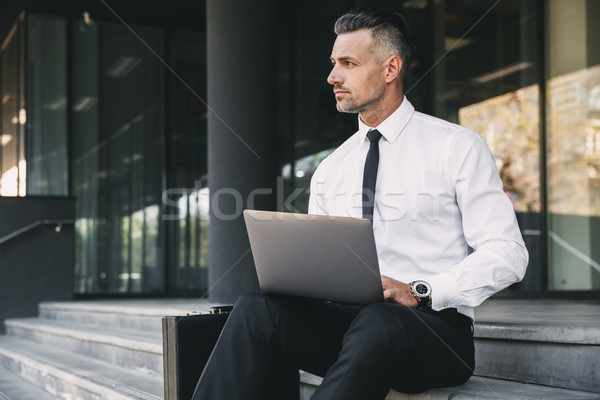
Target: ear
393,68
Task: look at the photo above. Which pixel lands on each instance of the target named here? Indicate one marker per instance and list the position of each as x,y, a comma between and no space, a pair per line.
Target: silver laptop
330,258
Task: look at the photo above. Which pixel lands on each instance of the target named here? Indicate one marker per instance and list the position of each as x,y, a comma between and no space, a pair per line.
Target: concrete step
74,377
12,387
553,343
107,349
477,388
141,315
133,349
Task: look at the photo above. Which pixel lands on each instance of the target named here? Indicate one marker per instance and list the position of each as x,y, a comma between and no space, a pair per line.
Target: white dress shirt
438,194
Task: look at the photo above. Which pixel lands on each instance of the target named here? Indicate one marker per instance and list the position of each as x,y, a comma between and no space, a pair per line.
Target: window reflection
509,124
574,148
303,170
13,167
47,170
187,174
117,158
574,179
192,237
573,113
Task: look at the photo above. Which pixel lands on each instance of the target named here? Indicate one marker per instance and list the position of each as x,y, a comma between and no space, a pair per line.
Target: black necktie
370,174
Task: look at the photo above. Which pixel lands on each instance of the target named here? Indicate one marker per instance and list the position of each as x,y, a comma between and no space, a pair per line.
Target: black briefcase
188,341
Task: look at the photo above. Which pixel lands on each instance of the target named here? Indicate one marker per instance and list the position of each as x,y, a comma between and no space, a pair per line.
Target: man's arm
490,228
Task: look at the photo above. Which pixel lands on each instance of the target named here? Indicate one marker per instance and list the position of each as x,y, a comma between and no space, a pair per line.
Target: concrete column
241,135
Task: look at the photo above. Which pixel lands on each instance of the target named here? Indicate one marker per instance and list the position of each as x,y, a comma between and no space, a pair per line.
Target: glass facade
573,150
46,139
186,217
117,157
115,115
13,167
139,159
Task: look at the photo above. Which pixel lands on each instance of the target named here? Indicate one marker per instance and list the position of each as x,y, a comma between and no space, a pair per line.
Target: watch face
421,289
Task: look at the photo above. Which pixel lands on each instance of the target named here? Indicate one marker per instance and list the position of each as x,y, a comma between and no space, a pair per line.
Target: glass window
310,126
186,214
47,105
13,168
118,158
573,153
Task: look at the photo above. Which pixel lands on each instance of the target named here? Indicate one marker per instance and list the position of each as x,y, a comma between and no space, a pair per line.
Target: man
446,235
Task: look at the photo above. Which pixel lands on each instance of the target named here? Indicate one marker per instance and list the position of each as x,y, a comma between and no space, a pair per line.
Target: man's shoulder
437,126
436,122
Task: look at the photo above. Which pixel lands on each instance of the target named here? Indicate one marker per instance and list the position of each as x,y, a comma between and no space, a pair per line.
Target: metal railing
18,232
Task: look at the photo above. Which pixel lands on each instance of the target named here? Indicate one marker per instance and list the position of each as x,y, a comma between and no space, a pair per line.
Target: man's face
357,78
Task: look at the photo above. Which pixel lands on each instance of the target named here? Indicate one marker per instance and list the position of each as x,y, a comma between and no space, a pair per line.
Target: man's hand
398,292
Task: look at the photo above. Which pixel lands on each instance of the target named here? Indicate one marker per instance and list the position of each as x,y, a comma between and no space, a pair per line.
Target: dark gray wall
37,265
241,135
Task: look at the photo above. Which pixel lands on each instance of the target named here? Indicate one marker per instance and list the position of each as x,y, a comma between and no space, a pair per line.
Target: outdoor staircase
88,350
113,350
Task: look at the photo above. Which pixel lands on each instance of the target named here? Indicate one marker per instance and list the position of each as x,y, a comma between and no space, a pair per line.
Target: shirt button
374,227
445,304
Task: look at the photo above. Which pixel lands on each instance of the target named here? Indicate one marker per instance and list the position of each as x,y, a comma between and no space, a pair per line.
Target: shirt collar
392,126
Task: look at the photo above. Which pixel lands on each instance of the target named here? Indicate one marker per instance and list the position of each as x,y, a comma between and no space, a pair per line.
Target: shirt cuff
444,291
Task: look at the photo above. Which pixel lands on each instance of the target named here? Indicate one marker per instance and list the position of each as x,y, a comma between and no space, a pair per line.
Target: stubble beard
352,107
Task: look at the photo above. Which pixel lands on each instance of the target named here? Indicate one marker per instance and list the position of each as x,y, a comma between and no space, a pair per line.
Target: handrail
59,223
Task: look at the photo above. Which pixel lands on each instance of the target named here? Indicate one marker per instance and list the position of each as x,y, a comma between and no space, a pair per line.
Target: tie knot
374,136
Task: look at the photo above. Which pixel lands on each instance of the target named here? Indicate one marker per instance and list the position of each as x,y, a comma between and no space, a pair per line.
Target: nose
334,76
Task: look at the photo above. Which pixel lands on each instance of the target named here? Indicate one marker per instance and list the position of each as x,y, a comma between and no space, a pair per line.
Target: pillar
241,75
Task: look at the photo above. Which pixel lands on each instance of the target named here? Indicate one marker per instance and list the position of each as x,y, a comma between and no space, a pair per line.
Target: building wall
36,253
162,122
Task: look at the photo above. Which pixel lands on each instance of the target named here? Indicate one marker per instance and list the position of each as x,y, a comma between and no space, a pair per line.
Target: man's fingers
386,281
388,294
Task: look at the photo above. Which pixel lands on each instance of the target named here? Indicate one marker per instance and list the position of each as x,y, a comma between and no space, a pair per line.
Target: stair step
477,388
71,376
554,343
543,342
12,387
144,315
539,321
128,348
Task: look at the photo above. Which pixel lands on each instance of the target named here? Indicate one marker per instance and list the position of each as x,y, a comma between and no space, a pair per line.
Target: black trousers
362,352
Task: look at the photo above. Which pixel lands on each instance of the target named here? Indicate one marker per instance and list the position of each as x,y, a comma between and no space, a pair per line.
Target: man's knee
252,306
250,300
259,302
267,309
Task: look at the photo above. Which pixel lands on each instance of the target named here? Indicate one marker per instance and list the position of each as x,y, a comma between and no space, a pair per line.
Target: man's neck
376,116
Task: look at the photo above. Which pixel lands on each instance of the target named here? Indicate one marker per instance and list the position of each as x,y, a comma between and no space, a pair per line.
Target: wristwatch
421,290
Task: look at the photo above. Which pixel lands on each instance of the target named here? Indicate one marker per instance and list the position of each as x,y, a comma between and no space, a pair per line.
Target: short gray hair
388,29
